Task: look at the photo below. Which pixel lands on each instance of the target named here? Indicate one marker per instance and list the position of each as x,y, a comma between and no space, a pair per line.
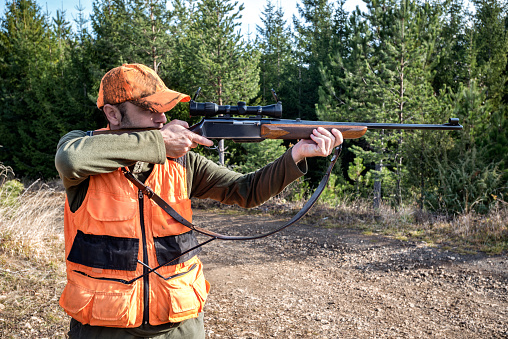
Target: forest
400,61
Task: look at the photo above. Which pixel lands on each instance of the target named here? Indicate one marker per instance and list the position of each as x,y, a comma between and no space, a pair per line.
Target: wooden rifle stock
290,131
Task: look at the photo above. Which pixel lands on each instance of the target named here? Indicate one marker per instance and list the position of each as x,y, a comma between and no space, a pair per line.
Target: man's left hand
320,144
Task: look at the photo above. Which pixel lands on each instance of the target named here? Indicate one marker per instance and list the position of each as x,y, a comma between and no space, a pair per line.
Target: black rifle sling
175,215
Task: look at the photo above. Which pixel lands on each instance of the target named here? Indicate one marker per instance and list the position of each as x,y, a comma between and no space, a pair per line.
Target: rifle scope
210,109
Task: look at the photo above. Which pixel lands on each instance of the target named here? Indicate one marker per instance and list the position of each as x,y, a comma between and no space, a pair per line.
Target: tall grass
29,220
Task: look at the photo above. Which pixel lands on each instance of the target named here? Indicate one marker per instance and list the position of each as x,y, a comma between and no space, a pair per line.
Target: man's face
137,117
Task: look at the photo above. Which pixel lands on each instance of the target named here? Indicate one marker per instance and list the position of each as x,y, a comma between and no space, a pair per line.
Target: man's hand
320,144
179,140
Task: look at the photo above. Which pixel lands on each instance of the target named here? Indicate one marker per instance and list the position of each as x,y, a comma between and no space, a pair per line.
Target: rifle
219,122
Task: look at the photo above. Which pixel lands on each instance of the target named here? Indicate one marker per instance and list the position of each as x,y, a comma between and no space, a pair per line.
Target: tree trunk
221,141
377,186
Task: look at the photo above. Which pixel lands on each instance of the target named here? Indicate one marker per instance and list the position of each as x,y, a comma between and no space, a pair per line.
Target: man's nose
160,118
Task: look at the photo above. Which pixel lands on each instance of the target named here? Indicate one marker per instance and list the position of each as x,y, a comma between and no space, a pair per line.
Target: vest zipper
146,283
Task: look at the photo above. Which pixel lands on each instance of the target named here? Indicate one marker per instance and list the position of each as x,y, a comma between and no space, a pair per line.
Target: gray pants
187,329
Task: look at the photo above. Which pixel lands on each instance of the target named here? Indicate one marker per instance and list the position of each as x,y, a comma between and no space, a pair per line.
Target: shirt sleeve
79,156
206,179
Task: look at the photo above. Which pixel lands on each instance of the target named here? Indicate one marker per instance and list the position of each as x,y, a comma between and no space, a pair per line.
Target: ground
304,282
310,282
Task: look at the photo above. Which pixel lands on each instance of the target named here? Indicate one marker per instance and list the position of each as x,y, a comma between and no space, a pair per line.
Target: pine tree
275,42
149,36
111,24
451,67
491,43
215,57
82,78
31,73
314,38
491,47
384,75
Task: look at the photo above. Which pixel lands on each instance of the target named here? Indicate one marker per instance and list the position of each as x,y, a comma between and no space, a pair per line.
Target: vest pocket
183,300
104,252
170,247
110,307
110,214
183,296
106,304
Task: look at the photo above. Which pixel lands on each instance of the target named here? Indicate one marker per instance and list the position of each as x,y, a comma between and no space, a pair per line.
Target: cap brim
162,101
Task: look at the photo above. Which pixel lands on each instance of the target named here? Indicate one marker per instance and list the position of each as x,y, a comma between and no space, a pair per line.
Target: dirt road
308,282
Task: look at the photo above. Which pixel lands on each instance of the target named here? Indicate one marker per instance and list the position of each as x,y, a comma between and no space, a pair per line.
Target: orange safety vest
113,233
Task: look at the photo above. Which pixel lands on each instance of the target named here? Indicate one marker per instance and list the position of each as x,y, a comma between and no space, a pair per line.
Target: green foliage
258,154
29,77
297,191
212,54
490,44
355,173
466,185
337,190
275,41
10,191
451,67
317,34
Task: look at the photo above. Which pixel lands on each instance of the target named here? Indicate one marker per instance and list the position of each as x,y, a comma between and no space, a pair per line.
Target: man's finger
320,145
327,140
201,140
339,139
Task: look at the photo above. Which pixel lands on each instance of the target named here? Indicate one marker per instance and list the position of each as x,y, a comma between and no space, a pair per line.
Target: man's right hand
179,140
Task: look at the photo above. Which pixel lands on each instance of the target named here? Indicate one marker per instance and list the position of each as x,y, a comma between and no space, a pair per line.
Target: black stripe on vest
170,247
104,251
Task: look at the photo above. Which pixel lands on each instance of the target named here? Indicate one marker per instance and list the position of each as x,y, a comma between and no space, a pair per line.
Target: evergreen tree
491,47
149,35
451,67
215,57
466,175
31,74
112,25
385,77
275,43
82,80
314,37
490,42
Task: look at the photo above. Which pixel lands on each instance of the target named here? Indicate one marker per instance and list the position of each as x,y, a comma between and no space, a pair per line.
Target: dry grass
29,222
31,226
466,233
32,273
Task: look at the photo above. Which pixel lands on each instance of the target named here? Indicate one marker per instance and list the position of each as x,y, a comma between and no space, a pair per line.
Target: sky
251,13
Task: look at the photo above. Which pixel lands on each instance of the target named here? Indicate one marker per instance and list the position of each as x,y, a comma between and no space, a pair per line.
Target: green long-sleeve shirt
79,156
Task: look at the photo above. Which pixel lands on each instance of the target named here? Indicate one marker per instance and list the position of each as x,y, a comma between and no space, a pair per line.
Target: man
114,234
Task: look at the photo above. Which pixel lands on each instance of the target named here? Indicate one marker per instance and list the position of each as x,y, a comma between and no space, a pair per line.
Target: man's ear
113,115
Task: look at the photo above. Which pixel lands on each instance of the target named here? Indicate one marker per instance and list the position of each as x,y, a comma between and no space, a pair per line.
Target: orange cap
141,86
